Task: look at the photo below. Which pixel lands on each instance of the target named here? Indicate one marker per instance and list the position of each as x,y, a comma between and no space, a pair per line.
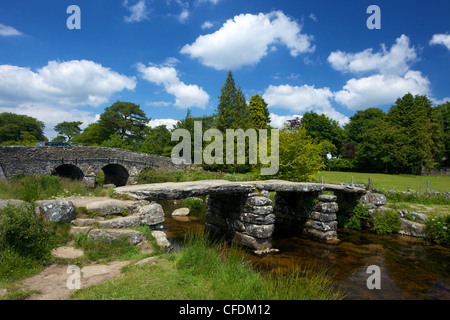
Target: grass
401,182
211,271
39,187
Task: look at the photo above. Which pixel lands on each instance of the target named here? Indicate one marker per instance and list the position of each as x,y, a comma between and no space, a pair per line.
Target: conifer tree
232,111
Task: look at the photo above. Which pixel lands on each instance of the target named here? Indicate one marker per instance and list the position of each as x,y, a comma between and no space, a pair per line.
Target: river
410,268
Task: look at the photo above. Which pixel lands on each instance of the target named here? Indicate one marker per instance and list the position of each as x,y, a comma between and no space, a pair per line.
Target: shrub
386,222
438,229
360,212
193,203
25,232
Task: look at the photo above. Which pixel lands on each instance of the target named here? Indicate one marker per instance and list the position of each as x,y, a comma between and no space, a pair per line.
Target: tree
20,129
93,135
259,113
157,141
68,130
321,128
299,156
232,111
125,118
421,129
362,121
442,114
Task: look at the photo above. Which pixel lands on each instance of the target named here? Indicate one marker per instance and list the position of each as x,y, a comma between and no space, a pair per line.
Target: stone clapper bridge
240,211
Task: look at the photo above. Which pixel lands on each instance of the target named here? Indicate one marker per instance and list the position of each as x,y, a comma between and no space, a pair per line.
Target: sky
64,63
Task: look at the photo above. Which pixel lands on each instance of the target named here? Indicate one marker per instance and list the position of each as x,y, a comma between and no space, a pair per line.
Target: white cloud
71,83
170,123
207,25
184,15
277,121
443,39
186,96
138,11
297,98
381,89
246,39
9,31
303,98
395,61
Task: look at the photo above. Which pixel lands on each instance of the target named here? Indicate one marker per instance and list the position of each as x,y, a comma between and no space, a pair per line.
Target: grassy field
402,182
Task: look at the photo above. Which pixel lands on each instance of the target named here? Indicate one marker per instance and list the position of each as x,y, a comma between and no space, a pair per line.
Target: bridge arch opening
68,171
115,174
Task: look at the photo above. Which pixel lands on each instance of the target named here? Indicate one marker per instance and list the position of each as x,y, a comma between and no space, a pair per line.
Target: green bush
438,229
193,203
360,212
386,222
25,232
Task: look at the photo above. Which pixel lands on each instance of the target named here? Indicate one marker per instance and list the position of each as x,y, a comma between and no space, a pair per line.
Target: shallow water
410,268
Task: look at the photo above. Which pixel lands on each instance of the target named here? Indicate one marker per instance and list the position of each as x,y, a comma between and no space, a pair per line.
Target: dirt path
53,283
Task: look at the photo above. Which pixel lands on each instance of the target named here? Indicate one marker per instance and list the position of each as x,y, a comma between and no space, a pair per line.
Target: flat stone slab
180,190
67,252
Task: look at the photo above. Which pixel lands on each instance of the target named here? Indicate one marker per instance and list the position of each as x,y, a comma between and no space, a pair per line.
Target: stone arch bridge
121,167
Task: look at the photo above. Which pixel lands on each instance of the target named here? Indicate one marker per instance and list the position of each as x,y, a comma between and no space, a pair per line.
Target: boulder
411,228
181,212
373,199
123,222
151,214
57,210
161,240
132,236
110,206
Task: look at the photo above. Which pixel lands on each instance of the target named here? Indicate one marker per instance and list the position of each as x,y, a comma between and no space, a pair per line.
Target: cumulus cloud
303,98
169,123
381,89
393,61
442,39
246,39
186,96
9,31
297,98
71,83
138,11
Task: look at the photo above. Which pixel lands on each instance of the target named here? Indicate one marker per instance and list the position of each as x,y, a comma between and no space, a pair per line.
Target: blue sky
170,55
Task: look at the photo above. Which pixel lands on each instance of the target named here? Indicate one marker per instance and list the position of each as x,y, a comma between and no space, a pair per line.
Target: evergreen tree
259,113
232,111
